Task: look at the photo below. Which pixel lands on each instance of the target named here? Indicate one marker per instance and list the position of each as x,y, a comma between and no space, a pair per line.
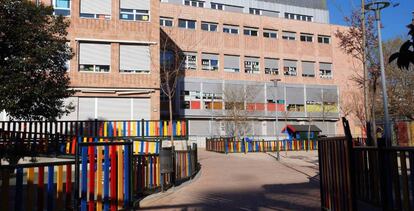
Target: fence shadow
294,196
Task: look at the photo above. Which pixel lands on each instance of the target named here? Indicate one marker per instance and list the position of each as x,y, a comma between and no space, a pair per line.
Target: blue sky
394,19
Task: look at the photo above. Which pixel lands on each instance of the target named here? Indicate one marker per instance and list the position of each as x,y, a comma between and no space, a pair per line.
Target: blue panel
106,178
125,129
126,175
50,188
84,176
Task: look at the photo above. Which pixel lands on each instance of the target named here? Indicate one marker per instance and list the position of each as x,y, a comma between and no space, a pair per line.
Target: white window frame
250,31
324,39
230,28
306,36
270,32
251,67
163,19
186,24
217,6
134,12
61,8
194,3
209,24
290,71
209,66
284,37
255,11
190,64
325,74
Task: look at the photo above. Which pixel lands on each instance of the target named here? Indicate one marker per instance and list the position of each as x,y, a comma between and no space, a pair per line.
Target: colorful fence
231,145
95,128
185,163
104,176
40,185
60,137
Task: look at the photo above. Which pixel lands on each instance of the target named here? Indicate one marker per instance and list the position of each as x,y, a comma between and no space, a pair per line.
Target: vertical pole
388,142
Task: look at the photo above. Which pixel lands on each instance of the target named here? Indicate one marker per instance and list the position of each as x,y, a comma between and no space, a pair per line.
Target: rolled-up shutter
96,7
231,8
136,4
271,63
295,95
251,59
86,108
199,127
255,94
270,13
192,86
325,66
231,62
213,88
134,57
94,53
72,115
209,56
114,108
308,68
271,92
289,63
142,108
313,94
330,95
289,34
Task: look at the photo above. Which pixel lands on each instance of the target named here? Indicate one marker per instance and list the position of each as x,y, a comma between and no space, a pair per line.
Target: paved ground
254,181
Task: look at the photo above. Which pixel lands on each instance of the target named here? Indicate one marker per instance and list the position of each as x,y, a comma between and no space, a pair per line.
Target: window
255,11
206,26
231,63
166,59
288,35
268,33
61,7
190,61
250,31
94,57
134,58
213,101
308,69
230,29
251,65
166,21
271,66
98,9
296,107
190,99
289,68
217,6
134,15
194,3
324,39
298,17
233,8
325,70
186,24
209,61
306,37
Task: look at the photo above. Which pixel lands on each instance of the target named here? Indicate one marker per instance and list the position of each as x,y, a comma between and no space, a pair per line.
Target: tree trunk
171,119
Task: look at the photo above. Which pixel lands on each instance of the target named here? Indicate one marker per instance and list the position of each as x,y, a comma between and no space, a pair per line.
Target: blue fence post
84,176
106,179
226,147
50,188
126,175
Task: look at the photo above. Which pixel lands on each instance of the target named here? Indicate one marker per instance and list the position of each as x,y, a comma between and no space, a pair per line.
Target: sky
394,19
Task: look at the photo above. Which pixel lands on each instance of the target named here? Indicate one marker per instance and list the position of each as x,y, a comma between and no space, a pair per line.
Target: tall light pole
277,118
377,6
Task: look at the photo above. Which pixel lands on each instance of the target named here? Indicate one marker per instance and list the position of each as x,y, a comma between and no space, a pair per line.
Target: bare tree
351,42
235,98
351,105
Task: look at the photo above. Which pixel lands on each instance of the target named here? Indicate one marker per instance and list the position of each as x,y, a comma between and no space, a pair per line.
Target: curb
160,195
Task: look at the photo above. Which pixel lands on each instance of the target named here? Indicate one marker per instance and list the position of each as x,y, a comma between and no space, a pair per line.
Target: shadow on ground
300,196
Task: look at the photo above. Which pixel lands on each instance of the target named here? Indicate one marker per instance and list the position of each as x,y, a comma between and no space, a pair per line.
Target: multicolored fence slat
51,191
114,178
231,145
